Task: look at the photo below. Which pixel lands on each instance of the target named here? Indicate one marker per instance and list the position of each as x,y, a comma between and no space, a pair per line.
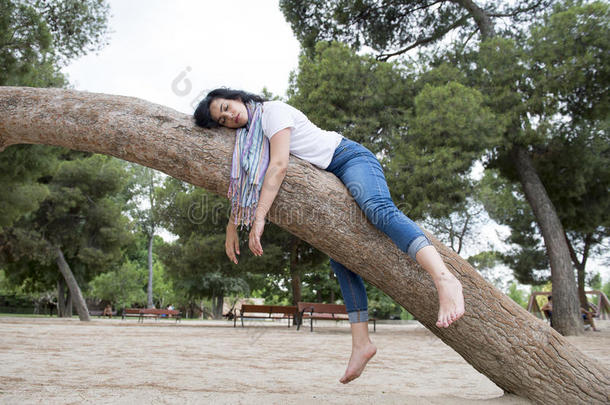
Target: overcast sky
168,52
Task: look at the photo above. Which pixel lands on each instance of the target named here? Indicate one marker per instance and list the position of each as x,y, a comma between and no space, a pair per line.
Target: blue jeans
362,174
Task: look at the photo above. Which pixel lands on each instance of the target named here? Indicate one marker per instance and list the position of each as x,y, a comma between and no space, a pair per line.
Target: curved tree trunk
480,17
566,309
518,352
79,301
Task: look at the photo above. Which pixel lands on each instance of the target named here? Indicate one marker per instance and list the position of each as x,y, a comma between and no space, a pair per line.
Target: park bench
317,311
265,312
156,313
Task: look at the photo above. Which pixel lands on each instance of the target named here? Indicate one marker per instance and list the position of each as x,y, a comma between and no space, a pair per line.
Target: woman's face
229,113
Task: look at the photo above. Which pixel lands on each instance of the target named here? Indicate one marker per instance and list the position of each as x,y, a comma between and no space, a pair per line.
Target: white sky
170,52
235,43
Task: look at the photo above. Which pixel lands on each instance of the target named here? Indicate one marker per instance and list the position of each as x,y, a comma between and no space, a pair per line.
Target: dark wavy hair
202,112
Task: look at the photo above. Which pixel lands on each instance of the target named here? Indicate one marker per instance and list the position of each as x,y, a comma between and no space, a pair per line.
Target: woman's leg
353,291
362,174
354,296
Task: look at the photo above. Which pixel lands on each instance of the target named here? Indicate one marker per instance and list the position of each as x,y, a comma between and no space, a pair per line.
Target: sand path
53,361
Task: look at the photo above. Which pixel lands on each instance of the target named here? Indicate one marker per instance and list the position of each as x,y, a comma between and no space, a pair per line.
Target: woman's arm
278,163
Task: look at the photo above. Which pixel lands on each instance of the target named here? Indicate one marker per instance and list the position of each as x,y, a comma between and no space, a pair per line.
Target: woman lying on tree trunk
267,133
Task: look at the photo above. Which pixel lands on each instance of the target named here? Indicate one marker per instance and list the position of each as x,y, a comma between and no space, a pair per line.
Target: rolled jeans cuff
358,316
418,243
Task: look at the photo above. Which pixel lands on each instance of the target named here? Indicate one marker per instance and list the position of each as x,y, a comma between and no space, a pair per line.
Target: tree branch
518,10
385,56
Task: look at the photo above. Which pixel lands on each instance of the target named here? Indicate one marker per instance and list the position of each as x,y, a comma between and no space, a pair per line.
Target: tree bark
566,310
68,308
217,303
75,293
61,298
518,352
150,270
64,299
480,17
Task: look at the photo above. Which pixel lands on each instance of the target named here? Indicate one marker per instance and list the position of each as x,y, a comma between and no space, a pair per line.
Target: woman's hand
232,242
258,225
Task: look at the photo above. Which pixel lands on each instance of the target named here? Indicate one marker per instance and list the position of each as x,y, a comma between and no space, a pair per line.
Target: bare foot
357,361
451,300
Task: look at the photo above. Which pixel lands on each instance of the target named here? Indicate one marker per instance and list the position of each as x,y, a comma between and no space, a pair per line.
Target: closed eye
222,119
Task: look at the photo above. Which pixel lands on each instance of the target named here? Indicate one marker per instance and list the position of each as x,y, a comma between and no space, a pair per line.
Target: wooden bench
156,313
265,312
317,311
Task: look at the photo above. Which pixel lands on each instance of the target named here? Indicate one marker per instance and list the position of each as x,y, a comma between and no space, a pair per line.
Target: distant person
107,311
587,316
170,307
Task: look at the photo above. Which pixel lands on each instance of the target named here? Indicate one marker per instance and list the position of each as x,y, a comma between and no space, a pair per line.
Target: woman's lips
237,119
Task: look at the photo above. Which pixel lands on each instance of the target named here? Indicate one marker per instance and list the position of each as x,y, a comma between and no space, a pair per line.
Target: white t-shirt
307,141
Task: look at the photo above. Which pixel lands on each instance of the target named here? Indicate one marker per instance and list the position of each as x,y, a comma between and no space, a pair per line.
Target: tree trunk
68,308
75,293
295,276
150,271
332,292
566,312
580,269
64,299
61,298
217,303
517,351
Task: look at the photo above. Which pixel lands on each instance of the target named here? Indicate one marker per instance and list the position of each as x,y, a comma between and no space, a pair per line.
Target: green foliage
595,282
381,306
122,287
571,59
549,87
505,203
21,166
36,38
517,295
358,96
163,287
26,48
394,27
76,26
5,286
80,216
451,129
606,288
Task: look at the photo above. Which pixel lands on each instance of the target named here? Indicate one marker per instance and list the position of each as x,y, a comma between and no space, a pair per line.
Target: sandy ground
52,361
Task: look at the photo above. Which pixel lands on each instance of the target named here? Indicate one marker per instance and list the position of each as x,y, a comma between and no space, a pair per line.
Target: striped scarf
250,161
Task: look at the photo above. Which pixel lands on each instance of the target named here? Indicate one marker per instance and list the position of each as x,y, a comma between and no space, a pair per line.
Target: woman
267,133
